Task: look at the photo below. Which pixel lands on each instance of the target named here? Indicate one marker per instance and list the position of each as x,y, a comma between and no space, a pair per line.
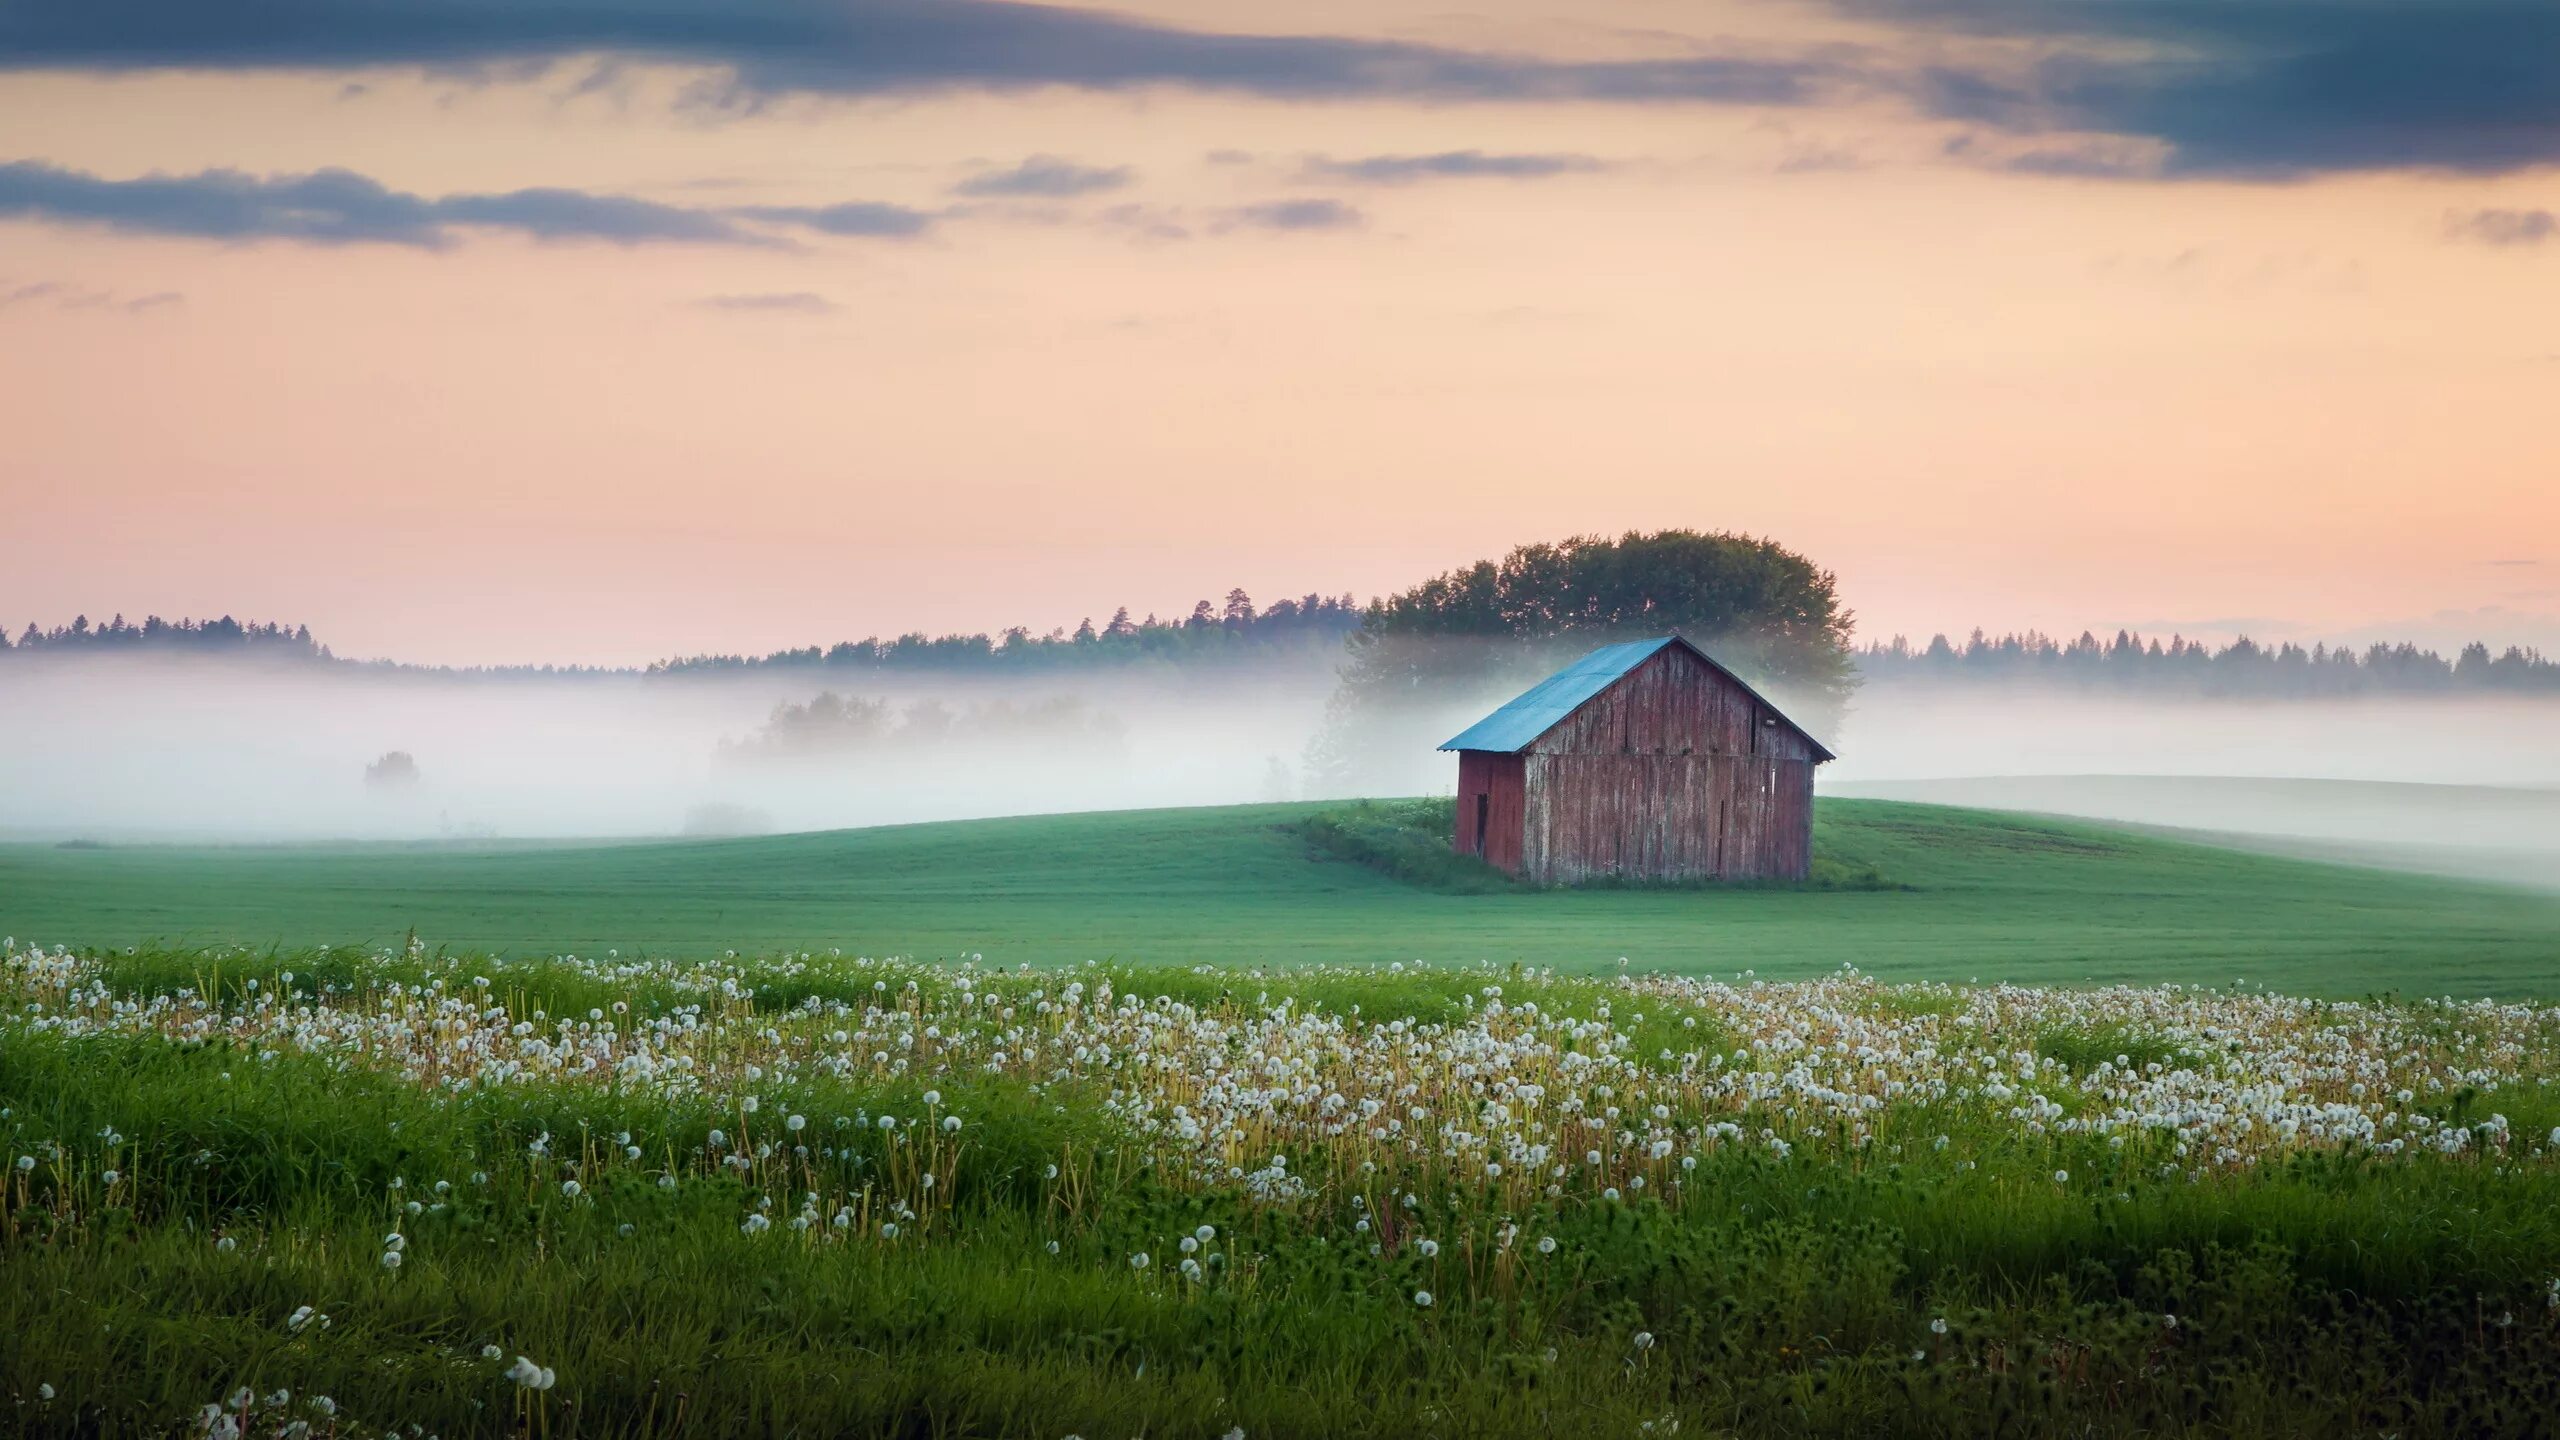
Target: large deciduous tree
1459,639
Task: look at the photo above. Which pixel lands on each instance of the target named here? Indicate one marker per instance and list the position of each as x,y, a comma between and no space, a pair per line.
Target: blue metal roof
1538,709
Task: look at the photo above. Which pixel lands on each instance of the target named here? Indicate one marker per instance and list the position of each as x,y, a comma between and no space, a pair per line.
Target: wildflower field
374,1192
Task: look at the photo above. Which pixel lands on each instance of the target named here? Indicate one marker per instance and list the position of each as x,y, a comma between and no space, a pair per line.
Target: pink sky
2317,406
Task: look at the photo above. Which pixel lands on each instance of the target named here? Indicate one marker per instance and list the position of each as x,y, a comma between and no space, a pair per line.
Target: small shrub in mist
397,769
722,820
832,726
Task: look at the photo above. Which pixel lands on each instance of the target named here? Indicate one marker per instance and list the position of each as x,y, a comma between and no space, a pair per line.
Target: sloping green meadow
1990,896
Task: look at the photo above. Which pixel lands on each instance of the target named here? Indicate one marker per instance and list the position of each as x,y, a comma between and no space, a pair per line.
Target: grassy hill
2510,834
1993,897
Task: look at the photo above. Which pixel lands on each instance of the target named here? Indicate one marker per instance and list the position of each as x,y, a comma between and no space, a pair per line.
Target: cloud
860,217
1814,158
1305,214
57,295
2504,227
847,47
1158,223
2265,90
1449,165
1146,222
1045,177
2261,89
338,207
794,302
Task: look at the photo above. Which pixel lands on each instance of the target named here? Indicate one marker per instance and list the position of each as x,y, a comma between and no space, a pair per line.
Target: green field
1999,897
614,1148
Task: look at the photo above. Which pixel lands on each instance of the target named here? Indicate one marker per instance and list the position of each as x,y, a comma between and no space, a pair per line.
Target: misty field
366,1193
1986,896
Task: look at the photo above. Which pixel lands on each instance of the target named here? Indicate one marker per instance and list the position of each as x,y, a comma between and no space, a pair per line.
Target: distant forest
224,636
2243,668
1239,631
1210,633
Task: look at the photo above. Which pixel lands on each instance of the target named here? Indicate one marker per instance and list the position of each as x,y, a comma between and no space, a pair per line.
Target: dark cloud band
2252,89
2265,89
1045,177
1450,165
770,47
337,207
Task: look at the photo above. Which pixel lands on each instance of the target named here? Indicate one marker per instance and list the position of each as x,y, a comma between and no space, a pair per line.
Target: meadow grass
1830,1208
1991,897
1408,841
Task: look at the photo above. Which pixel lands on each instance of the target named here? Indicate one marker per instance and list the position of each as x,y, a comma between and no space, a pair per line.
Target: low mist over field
128,748
166,749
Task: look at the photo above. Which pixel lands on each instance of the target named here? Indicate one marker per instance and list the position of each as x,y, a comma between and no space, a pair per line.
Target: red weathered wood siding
1496,781
1674,772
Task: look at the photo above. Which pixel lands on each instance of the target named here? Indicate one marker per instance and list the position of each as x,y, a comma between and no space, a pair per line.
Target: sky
484,331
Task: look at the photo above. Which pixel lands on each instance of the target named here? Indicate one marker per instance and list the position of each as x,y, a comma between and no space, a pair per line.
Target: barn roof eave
1516,726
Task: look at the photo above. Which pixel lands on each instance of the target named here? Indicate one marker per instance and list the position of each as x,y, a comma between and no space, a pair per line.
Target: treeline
2132,664
1754,604
1235,631
224,636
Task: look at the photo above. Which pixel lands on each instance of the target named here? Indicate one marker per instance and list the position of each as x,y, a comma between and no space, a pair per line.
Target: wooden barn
1647,760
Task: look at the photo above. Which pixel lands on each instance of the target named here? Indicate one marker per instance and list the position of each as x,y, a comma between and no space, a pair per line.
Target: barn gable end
1648,761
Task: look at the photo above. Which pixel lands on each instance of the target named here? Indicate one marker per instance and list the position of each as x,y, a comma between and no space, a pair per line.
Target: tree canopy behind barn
1489,628
1766,608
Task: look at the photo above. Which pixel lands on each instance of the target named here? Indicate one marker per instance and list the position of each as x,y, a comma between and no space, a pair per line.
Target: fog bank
128,749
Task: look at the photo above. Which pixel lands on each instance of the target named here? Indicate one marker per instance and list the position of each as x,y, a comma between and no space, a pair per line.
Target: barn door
1484,808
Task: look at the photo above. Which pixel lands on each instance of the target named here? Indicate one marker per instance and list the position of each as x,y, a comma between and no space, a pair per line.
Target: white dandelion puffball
390,1259
570,1188
1139,1261
1422,1298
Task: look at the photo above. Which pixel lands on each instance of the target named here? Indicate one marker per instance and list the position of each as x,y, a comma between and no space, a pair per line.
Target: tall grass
1950,1273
